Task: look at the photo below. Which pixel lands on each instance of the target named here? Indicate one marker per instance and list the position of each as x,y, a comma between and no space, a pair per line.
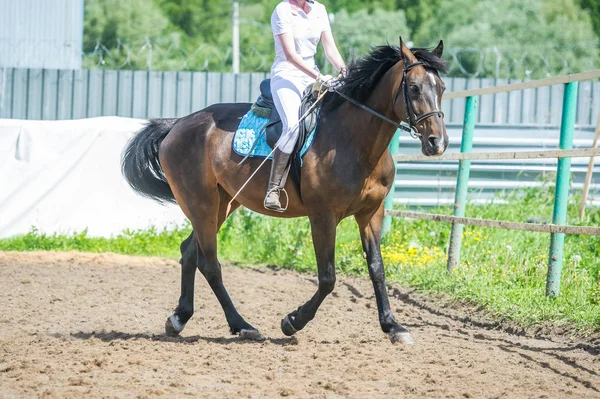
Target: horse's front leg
370,225
323,228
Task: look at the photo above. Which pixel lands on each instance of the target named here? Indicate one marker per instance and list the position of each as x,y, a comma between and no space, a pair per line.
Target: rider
297,26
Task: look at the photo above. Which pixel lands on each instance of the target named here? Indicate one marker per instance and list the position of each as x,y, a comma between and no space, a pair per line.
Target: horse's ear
407,55
439,50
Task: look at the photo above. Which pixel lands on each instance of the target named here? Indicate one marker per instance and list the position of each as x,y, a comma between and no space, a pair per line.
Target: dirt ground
81,325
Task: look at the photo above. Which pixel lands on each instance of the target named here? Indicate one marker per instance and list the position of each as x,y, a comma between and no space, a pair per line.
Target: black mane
365,73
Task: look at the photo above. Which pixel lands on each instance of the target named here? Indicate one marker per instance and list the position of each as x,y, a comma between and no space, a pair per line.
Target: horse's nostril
433,141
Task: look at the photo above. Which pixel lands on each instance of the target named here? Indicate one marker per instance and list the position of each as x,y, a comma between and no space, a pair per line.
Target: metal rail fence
514,121
431,182
51,94
557,228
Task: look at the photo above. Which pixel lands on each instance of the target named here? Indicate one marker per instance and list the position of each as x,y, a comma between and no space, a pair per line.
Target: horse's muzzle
434,145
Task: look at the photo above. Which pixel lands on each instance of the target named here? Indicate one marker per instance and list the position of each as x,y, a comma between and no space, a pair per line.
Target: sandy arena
82,325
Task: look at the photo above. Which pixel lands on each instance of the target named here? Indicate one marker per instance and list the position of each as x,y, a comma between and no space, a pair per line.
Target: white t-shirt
305,28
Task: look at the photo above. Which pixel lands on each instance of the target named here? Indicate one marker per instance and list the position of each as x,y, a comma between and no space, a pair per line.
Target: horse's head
419,98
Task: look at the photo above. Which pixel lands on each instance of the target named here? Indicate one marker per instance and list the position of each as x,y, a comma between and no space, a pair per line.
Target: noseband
412,125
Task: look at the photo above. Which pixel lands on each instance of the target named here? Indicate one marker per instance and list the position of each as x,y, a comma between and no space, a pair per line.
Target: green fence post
462,183
561,193
389,200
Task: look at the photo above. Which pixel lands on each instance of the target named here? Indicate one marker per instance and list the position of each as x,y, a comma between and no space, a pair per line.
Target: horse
348,171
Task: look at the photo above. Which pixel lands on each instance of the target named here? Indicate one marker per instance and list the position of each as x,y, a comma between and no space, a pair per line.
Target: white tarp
65,176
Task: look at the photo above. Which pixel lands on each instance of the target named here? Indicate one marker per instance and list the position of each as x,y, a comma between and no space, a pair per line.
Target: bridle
411,126
409,108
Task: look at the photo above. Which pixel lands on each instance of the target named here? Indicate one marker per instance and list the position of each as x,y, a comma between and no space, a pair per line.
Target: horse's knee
326,285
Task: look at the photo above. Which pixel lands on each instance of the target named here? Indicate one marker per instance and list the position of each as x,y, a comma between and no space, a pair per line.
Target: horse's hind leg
211,269
205,233
184,311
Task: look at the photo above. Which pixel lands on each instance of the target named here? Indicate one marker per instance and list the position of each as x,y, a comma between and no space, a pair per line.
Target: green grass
502,271
150,242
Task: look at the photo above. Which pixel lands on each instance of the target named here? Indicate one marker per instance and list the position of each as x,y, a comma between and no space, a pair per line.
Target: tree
352,6
199,19
593,8
131,20
418,12
356,33
512,38
112,27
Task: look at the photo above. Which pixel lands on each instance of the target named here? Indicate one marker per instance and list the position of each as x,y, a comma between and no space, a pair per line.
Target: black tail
140,165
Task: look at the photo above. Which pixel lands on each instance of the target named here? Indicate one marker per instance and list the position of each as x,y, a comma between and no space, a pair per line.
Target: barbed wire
501,63
166,55
169,54
464,62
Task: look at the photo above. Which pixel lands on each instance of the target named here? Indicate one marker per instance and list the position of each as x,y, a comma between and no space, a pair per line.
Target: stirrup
279,190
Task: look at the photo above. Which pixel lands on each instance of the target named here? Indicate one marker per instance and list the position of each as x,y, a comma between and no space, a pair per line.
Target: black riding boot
279,172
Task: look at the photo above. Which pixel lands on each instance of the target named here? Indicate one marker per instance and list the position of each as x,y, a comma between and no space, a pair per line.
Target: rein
409,127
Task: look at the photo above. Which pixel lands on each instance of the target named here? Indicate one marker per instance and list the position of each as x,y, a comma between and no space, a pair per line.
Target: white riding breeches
287,93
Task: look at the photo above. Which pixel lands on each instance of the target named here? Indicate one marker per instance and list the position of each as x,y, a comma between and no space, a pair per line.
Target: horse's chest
370,195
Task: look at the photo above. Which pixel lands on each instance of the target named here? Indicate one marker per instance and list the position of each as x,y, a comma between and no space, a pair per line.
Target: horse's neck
366,136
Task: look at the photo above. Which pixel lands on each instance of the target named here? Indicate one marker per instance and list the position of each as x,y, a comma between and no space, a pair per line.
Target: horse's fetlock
184,315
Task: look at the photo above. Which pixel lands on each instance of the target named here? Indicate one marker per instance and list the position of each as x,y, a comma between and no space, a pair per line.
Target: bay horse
348,171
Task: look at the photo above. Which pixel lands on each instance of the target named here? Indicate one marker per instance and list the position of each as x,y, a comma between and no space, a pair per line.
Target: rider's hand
334,83
325,81
321,83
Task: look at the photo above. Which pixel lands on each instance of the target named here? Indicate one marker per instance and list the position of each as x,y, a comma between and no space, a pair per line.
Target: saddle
265,107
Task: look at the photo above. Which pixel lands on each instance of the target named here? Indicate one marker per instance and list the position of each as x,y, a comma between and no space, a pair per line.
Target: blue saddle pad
250,127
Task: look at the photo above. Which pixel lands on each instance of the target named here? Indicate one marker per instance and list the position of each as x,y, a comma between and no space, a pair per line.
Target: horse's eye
414,89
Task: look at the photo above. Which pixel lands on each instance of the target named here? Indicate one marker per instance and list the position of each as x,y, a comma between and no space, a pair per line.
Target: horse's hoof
287,327
251,335
401,337
173,326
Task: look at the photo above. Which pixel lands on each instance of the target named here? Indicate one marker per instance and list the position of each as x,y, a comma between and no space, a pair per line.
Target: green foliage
503,271
117,25
357,32
418,12
202,20
533,38
150,242
593,9
128,21
354,5
510,38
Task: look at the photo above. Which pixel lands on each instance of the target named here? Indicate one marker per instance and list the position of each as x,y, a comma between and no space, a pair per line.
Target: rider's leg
287,98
